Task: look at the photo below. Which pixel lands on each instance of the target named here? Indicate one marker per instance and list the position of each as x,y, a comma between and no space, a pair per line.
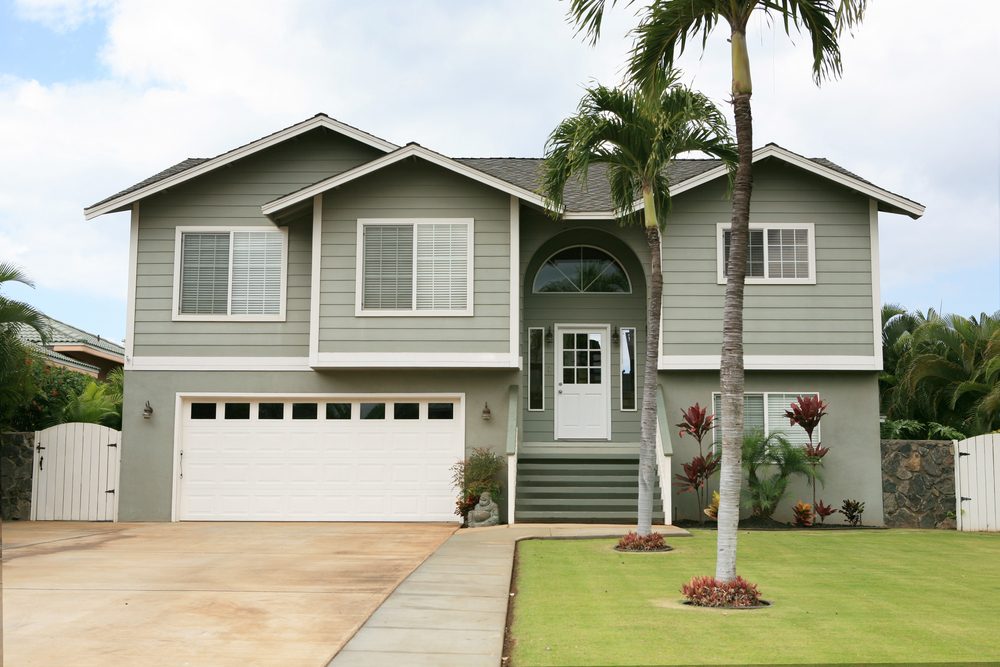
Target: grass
839,597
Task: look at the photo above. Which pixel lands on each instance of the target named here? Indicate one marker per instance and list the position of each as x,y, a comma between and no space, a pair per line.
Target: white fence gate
76,473
977,482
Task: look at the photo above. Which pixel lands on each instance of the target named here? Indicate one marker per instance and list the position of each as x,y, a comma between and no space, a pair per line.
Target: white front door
582,377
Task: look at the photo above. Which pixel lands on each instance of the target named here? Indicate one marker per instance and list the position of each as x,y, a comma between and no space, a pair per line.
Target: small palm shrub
769,462
475,474
710,592
852,511
635,542
803,513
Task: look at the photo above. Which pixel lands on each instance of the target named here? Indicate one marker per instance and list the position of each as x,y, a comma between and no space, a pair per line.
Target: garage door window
440,410
271,411
237,411
305,411
203,411
406,411
338,410
373,410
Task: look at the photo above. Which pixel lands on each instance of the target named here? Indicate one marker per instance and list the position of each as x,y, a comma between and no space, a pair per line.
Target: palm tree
636,132
662,35
13,316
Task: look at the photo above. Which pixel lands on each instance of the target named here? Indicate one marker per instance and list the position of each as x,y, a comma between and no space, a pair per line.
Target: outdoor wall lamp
548,334
487,413
147,412
615,336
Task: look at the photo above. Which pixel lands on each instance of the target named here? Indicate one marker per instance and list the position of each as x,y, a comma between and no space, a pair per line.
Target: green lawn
845,596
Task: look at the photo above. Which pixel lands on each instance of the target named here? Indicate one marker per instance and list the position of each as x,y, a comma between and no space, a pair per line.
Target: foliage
633,541
803,514
696,422
712,592
52,388
895,429
942,371
17,384
769,463
635,132
807,411
114,383
475,474
464,504
852,511
93,405
712,511
822,510
696,476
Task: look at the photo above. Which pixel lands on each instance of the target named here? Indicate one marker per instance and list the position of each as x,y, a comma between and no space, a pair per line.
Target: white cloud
913,112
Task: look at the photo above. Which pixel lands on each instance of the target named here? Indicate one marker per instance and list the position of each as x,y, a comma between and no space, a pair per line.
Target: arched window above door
582,269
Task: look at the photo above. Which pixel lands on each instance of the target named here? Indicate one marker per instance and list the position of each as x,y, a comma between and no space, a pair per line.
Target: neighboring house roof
64,338
192,167
517,176
56,359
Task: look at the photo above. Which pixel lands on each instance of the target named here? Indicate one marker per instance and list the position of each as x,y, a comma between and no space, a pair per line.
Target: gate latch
963,498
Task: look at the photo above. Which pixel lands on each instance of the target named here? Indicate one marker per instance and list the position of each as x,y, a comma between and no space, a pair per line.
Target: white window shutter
778,422
387,267
257,264
204,283
442,266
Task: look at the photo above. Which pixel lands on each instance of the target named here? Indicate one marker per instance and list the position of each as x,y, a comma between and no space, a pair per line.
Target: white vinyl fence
75,474
977,482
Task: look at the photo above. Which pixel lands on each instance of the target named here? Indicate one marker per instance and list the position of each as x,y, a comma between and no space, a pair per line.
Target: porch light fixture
487,413
147,412
548,334
615,336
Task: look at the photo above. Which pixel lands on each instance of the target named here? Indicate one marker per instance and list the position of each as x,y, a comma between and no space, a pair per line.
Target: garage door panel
360,470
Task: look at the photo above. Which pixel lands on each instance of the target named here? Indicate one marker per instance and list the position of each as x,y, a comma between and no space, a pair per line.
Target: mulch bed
643,551
754,523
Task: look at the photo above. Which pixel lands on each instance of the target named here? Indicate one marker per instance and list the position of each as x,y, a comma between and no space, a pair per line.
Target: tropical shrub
697,423
852,511
52,388
93,405
633,541
893,429
822,510
475,474
769,462
712,511
807,411
712,592
803,513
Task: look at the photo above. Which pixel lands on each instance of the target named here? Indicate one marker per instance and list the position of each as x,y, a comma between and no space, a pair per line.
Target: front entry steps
576,487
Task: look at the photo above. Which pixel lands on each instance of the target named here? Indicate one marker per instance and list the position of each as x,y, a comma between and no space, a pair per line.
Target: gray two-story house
320,323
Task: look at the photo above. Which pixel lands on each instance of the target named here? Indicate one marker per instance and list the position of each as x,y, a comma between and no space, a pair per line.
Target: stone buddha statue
485,513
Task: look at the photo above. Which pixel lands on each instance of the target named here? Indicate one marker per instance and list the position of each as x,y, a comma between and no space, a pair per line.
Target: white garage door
319,459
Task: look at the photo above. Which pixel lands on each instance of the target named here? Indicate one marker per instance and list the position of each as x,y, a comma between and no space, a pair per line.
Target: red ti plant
822,510
807,411
697,423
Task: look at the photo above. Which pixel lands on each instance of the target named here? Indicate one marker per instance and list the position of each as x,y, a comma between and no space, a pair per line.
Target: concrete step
565,516
577,480
581,491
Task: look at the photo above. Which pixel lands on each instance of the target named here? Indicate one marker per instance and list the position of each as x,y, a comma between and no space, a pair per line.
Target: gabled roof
60,333
409,150
193,167
57,359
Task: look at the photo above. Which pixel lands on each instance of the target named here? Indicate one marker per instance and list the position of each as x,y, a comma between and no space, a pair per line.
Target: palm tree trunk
731,365
647,438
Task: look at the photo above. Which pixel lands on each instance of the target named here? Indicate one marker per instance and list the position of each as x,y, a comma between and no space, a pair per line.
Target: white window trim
528,367
635,370
359,311
176,314
720,260
767,421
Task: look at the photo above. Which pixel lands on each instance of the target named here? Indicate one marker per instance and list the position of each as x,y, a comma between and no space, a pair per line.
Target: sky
96,95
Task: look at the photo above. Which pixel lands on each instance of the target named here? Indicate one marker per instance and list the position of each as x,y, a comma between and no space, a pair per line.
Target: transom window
415,267
582,269
236,273
777,253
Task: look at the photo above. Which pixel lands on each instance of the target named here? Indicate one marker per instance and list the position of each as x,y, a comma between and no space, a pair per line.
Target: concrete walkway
453,609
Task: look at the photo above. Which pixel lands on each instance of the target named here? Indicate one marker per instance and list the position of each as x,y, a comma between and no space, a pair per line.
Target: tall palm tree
662,35
636,131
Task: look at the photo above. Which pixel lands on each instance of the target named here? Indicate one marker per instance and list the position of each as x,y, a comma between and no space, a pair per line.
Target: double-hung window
231,273
765,412
778,253
415,267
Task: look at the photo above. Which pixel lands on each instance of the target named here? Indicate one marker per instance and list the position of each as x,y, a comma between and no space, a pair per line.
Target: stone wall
16,451
918,483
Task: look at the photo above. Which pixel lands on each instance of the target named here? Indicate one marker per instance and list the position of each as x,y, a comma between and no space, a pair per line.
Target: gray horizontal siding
233,195
415,189
832,317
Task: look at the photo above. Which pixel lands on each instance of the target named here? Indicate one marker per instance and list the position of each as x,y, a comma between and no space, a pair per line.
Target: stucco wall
918,483
852,469
147,451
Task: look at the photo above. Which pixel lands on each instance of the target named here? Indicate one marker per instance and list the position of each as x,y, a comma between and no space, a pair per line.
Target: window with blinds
418,266
231,273
779,252
766,413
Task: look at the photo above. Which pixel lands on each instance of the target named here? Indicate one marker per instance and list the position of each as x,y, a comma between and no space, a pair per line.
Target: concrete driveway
198,593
